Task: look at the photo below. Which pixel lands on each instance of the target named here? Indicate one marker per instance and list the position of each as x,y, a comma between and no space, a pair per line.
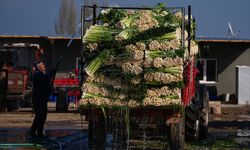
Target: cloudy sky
38,17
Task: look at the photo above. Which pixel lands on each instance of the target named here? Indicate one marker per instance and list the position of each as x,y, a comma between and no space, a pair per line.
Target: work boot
42,136
32,133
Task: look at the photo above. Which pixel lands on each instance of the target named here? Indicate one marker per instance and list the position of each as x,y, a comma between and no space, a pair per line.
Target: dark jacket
42,84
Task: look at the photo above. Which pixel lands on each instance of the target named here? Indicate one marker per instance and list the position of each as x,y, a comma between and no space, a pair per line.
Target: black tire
26,102
61,103
13,105
176,135
203,119
192,122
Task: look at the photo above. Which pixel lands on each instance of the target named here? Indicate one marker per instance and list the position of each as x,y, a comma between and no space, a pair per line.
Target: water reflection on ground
70,139
57,140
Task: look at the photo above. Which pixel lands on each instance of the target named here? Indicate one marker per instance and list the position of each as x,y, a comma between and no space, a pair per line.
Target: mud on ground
231,119
23,119
230,129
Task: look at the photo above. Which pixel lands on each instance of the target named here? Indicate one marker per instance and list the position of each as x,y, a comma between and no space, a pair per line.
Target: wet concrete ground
66,130
57,139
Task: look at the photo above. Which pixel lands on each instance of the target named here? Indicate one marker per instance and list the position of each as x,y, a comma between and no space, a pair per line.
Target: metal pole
94,14
183,28
81,70
139,8
82,22
189,28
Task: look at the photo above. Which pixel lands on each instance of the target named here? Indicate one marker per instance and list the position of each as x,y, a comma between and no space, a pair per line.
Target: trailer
109,125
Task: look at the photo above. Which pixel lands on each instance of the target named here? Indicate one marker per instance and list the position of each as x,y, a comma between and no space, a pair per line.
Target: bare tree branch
67,20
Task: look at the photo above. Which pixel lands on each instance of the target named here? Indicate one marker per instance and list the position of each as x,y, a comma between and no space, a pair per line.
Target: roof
46,37
222,40
199,39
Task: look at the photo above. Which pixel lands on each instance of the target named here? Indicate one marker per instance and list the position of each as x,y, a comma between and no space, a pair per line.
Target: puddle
243,133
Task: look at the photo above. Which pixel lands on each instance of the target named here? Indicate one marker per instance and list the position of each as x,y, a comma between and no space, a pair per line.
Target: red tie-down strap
190,73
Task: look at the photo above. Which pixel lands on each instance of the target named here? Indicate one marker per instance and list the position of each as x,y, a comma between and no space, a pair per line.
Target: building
222,56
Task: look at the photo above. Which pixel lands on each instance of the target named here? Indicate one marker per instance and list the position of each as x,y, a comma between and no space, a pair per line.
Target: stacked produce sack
134,58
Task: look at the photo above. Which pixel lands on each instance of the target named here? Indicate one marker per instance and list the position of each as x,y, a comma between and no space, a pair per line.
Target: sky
38,17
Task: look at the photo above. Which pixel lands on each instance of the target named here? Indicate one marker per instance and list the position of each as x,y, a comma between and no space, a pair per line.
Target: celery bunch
170,70
96,63
99,33
171,35
158,53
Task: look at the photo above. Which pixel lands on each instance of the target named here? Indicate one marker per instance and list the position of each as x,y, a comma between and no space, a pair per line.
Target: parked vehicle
66,91
17,60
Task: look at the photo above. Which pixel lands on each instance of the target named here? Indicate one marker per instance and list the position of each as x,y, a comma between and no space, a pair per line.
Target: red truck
17,60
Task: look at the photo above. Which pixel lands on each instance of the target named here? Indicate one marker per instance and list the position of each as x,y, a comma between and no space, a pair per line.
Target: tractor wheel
192,122
177,135
203,119
13,104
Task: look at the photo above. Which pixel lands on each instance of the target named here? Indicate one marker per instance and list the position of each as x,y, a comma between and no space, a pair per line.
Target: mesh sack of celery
134,58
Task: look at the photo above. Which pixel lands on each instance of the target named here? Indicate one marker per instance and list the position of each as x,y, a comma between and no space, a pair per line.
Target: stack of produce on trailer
135,58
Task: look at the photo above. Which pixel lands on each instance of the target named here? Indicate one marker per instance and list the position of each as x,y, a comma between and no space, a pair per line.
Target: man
42,86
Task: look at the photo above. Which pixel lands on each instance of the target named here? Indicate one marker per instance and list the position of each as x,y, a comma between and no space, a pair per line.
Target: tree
106,3
67,20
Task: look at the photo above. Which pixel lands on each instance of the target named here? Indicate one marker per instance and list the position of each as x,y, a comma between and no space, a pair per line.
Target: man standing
42,86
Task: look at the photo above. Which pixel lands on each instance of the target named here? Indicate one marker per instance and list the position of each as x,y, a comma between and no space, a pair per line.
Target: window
207,71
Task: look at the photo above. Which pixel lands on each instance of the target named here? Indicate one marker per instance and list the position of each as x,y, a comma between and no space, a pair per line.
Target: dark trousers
40,108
